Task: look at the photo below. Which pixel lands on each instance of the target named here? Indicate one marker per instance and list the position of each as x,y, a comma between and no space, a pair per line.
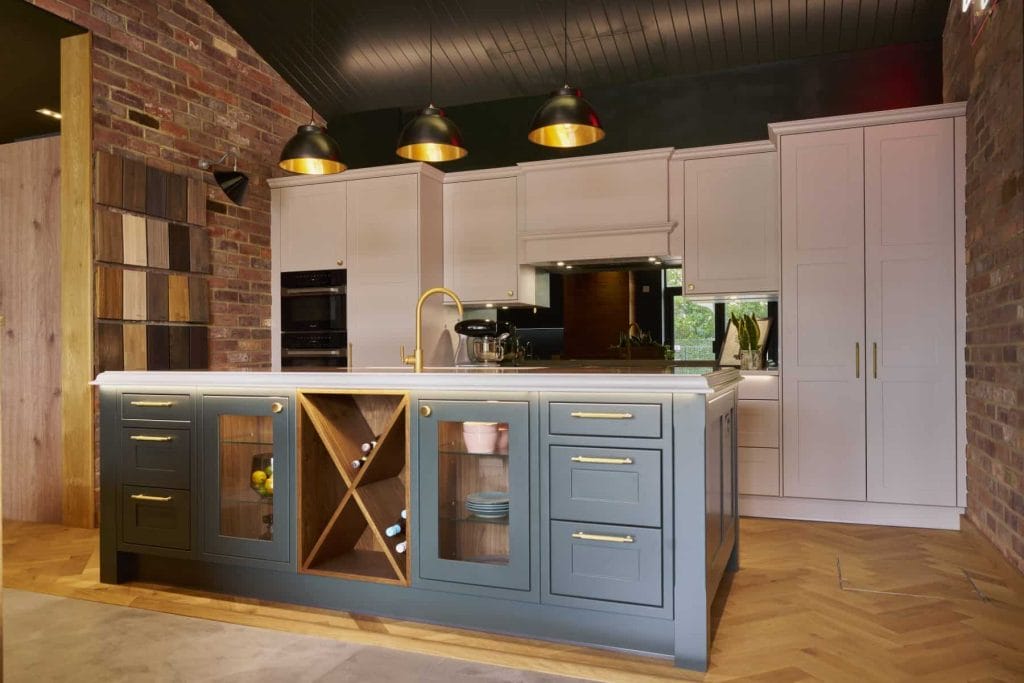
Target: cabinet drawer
764,387
758,471
156,457
608,485
155,516
613,563
156,407
758,424
641,420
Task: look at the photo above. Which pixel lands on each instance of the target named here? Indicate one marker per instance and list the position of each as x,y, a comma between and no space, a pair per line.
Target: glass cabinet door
474,459
245,485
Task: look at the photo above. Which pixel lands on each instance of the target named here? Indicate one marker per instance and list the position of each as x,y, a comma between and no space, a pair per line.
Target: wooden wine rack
343,510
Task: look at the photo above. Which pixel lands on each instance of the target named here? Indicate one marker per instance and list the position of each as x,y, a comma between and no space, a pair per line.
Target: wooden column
76,280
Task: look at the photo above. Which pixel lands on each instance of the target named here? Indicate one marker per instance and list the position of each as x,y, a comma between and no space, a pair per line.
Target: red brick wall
990,75
173,83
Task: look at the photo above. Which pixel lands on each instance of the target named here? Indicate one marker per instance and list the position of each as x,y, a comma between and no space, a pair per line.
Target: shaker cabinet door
313,229
480,254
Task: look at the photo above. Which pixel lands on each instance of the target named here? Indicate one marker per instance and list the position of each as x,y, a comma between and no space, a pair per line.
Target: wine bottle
394,530
368,446
404,514
356,464
400,548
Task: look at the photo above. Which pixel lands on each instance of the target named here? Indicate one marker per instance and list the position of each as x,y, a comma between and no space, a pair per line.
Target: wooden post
76,280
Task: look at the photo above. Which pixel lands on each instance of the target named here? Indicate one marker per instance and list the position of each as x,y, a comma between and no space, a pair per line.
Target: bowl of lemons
262,479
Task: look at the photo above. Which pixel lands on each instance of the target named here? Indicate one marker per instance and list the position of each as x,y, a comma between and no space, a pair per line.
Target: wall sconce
233,183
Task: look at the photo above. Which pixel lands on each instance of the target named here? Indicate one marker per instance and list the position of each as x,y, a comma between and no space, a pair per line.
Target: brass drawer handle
602,416
601,461
154,404
152,499
601,537
141,437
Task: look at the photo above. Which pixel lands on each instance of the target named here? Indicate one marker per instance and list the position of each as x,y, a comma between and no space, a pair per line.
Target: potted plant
635,344
748,333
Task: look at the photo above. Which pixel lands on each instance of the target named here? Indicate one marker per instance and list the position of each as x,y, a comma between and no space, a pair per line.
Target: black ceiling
29,69
374,55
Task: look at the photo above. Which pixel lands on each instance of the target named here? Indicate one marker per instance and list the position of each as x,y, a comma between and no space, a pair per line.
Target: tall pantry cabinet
869,313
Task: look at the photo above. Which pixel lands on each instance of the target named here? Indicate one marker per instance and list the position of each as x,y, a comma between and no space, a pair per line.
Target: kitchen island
589,505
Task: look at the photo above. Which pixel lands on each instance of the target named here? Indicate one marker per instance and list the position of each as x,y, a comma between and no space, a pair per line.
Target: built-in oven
313,319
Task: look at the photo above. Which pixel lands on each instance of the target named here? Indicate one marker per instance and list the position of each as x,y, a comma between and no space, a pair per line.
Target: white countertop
585,379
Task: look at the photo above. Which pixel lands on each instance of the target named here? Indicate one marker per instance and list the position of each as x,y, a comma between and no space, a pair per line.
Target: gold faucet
416,359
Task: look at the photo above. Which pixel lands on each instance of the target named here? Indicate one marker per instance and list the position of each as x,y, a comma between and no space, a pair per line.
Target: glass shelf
473,519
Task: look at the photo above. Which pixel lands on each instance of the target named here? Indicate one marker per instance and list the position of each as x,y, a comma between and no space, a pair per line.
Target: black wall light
430,135
565,119
234,183
311,150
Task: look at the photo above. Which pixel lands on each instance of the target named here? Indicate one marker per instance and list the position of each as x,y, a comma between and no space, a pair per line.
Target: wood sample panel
133,302
180,257
156,296
196,211
156,192
109,244
133,229
109,172
109,290
133,185
157,247
134,342
177,197
199,251
177,298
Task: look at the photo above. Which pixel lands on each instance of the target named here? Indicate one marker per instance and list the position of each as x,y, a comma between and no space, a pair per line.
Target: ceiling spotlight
49,112
234,183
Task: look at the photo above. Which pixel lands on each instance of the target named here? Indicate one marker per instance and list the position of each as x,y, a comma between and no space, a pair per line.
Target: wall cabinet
312,231
868,314
731,224
246,465
481,240
475,493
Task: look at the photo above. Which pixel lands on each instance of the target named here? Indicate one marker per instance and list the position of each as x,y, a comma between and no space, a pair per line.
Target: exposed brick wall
173,83
990,76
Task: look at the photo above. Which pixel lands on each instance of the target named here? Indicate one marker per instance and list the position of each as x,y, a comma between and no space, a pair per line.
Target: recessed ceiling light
49,112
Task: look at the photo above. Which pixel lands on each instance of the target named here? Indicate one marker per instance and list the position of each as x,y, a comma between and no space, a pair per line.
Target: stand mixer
482,342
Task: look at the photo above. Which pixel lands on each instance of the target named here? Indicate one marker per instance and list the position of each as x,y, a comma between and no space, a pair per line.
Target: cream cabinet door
312,231
822,334
480,237
731,224
911,326
383,270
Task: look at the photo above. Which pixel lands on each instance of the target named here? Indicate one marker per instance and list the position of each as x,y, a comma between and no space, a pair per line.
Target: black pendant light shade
566,120
311,151
431,136
234,183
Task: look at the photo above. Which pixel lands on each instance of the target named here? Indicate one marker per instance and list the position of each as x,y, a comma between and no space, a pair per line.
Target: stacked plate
488,504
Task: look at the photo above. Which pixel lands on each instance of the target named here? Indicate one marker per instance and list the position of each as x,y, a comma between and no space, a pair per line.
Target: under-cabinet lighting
652,259
504,308
560,263
569,267
489,305
49,112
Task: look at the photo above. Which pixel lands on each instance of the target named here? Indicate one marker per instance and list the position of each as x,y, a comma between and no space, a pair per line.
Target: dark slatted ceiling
372,55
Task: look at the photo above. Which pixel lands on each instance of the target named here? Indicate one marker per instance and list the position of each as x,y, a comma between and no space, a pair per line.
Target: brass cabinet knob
276,407
511,292
689,288
341,262
425,411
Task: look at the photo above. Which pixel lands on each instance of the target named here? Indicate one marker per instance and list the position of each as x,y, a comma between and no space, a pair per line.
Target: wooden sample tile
178,247
177,298
196,201
198,300
133,185
109,290
158,351
109,179
108,237
134,301
156,296
198,348
109,347
157,248
177,197
134,346
133,234
200,259
156,192
179,350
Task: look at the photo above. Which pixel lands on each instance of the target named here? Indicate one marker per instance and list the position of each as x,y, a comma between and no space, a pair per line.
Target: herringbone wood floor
812,601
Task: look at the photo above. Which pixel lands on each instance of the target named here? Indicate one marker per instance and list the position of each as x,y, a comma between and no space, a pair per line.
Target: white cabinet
868,314
481,230
731,224
394,254
758,435
909,291
822,307
312,226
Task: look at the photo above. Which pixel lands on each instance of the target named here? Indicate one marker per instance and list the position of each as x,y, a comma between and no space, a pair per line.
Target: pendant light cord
565,42
430,51
312,41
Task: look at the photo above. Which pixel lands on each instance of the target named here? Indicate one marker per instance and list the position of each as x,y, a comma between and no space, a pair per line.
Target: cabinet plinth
349,496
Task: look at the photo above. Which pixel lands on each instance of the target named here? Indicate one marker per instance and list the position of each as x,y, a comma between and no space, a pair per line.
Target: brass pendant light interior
431,136
311,151
565,119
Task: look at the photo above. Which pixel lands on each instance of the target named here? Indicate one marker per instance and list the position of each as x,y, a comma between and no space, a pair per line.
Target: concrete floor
50,638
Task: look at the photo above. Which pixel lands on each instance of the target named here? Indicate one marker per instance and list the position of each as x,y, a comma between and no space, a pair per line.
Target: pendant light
565,119
311,150
430,135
